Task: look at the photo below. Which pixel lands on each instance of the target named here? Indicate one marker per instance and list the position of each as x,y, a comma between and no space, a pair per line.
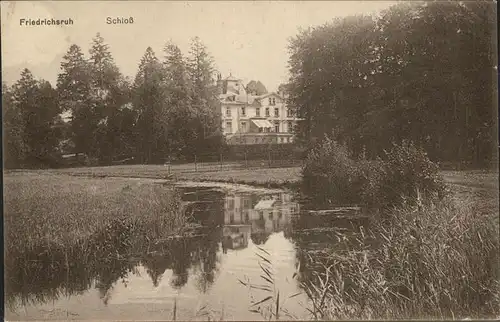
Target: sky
248,39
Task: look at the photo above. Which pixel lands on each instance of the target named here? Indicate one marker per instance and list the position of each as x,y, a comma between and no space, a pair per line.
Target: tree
256,88
374,80
201,72
110,93
149,103
206,121
74,85
284,88
36,103
178,130
331,67
14,149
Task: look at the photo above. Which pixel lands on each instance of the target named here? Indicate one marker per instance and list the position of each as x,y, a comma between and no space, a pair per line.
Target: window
229,127
267,111
274,101
230,203
290,127
289,112
243,112
276,127
276,112
270,101
243,127
228,111
260,130
257,111
281,140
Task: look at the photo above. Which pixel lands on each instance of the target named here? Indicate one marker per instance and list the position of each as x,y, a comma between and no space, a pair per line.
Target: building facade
254,119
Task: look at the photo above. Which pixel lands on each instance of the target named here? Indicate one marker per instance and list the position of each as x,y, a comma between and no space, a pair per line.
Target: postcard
250,160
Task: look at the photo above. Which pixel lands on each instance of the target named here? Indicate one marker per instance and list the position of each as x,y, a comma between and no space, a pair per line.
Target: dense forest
169,109
424,72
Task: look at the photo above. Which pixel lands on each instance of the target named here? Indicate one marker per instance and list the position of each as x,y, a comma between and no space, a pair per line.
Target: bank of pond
206,252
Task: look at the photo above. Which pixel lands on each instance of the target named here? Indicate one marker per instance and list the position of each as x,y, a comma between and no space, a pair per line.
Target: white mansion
253,119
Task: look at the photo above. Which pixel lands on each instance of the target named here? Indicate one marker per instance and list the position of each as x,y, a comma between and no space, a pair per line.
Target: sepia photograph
250,160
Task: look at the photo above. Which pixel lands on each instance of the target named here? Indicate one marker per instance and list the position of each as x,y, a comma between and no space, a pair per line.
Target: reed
430,261
52,220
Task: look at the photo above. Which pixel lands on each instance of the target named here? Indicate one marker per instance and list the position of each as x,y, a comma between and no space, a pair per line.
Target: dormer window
228,111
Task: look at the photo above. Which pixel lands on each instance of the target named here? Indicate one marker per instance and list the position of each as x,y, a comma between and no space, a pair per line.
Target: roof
269,94
265,204
231,78
262,123
239,98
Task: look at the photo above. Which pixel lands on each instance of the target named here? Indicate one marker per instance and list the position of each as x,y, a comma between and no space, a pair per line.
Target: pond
205,276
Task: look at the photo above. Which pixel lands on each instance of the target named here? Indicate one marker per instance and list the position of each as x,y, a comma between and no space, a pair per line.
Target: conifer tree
74,85
110,92
149,102
36,103
203,88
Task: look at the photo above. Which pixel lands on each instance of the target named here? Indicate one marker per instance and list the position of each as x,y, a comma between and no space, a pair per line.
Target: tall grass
60,210
271,305
429,261
52,220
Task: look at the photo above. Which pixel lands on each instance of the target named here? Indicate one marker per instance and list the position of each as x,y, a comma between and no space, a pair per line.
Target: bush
406,176
330,176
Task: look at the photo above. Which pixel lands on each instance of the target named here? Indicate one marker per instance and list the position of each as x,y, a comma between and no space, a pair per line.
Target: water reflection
257,216
227,223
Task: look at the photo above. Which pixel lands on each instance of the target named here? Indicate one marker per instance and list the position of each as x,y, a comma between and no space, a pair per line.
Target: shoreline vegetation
425,251
450,232
50,221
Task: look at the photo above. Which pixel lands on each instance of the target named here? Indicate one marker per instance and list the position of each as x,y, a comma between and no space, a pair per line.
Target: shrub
330,176
407,176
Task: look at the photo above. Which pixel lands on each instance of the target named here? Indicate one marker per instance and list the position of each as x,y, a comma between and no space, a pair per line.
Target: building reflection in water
255,217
